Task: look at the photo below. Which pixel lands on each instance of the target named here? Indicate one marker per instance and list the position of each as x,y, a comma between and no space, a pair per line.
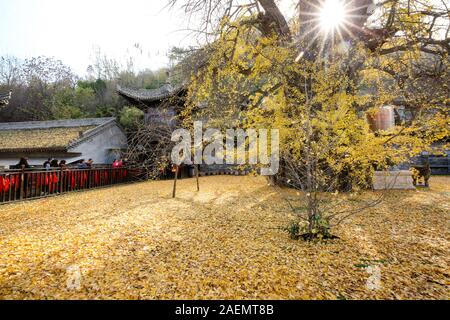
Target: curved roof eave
149,95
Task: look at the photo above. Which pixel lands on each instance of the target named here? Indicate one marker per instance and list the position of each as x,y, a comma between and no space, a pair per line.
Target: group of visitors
57,176
119,163
80,164
52,163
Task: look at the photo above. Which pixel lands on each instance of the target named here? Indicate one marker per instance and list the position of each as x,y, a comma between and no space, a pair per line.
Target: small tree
149,149
131,118
326,146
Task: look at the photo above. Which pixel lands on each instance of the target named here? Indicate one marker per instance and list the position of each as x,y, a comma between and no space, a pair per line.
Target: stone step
393,180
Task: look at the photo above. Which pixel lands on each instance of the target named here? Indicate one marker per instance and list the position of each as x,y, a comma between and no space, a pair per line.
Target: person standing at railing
90,166
82,164
54,163
63,178
62,164
23,164
46,164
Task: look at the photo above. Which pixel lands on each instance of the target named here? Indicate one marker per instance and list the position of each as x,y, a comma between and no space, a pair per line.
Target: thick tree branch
273,20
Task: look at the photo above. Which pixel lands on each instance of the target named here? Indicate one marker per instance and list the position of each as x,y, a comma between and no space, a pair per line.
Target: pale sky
72,30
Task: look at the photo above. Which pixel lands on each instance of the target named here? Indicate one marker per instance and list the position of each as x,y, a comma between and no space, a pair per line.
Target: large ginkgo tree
317,76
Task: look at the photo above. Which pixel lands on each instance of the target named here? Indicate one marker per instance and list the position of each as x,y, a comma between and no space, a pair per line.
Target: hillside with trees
44,88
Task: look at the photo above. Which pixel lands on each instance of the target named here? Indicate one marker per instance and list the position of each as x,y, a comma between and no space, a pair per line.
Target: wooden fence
438,164
16,185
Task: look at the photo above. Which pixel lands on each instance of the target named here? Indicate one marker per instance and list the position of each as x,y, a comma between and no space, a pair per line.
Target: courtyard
224,242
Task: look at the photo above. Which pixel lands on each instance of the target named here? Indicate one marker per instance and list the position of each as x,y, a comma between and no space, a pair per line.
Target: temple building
159,105
101,140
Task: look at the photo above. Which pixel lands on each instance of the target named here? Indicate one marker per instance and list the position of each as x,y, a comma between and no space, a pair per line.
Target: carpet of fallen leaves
225,242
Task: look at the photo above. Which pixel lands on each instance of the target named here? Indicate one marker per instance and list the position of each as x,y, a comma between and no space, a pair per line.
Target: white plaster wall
98,148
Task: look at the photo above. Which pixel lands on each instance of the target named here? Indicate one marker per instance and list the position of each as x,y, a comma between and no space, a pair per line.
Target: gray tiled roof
70,123
148,95
49,135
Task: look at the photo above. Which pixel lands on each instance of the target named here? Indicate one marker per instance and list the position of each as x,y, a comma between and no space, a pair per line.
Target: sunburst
332,15
330,22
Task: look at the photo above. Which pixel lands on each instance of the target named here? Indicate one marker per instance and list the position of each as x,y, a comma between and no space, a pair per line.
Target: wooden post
175,182
22,180
60,180
196,176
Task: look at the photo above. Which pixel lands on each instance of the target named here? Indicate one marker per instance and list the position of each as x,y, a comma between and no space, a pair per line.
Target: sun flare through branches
332,15
327,23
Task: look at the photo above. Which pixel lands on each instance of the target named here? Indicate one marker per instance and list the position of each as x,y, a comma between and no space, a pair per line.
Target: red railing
16,185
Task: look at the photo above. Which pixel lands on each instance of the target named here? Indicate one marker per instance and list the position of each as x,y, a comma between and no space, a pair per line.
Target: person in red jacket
117,163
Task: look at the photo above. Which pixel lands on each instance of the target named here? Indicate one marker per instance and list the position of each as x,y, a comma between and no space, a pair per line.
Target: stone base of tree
399,180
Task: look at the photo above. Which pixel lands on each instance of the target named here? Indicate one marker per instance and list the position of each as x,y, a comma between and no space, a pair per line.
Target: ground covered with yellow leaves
225,242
